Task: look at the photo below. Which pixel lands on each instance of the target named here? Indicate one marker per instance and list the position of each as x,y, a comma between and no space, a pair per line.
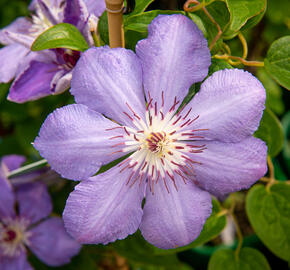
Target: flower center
157,142
163,145
13,236
10,236
45,16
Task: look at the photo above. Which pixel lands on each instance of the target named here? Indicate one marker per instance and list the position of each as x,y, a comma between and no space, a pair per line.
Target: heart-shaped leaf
277,61
269,214
270,131
248,258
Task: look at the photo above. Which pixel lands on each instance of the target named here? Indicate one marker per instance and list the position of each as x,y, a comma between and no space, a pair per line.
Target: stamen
128,116
135,114
160,144
187,114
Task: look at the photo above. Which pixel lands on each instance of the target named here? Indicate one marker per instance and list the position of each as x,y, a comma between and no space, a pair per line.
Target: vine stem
115,22
239,234
240,60
272,179
244,44
27,168
202,6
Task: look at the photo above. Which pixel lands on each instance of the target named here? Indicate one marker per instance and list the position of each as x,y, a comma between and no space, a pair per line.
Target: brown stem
216,38
115,22
188,8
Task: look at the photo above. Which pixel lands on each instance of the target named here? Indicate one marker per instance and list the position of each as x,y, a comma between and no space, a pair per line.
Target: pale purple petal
229,167
230,105
20,25
46,56
174,56
11,57
76,13
104,208
176,218
76,141
33,83
62,83
15,263
106,80
13,162
51,243
7,197
45,9
34,202
23,39
96,7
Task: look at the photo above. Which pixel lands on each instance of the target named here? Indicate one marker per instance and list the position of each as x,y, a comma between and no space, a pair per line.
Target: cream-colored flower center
13,236
41,22
162,144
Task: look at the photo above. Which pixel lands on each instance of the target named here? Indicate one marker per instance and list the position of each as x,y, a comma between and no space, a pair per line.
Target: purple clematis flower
39,74
29,227
176,158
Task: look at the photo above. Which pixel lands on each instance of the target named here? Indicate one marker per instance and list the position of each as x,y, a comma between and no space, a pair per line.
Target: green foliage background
266,226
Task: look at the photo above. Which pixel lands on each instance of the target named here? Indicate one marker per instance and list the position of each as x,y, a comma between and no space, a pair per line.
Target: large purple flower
29,227
176,159
39,74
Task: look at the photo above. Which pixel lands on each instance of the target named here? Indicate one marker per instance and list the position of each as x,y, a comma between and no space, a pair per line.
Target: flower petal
61,81
33,201
15,263
9,68
76,141
33,83
176,218
104,208
7,197
20,25
76,13
95,7
230,105
229,167
106,79
174,56
13,162
51,243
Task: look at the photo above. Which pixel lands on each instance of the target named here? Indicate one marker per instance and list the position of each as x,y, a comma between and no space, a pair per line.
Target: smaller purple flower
176,159
39,74
29,226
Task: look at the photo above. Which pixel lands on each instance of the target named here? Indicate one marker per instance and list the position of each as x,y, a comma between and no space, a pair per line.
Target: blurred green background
19,125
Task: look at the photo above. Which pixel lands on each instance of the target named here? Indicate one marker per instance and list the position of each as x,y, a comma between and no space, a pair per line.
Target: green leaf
137,250
63,35
218,64
286,150
103,28
270,131
277,62
274,92
211,229
241,11
269,214
141,6
219,11
248,259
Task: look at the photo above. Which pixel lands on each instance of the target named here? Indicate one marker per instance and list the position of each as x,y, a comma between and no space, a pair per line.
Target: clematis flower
29,227
176,158
39,74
